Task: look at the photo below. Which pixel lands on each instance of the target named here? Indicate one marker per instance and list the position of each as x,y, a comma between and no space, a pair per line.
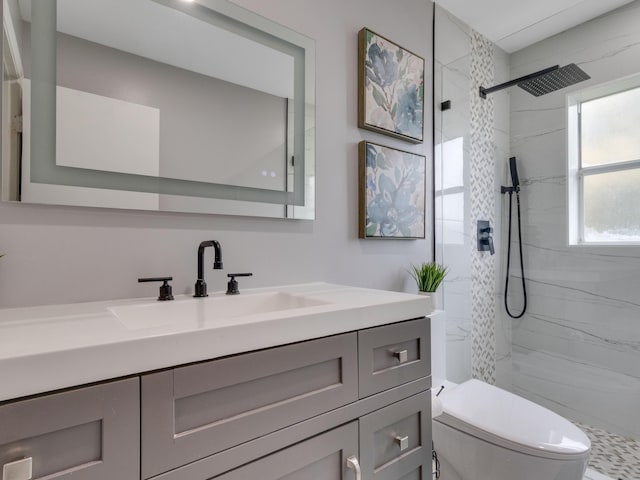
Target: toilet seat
502,418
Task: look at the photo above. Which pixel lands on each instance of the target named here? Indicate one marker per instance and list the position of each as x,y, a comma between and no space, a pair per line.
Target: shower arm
485,91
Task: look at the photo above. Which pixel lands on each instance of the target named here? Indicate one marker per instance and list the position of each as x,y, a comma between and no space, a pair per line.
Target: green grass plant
428,275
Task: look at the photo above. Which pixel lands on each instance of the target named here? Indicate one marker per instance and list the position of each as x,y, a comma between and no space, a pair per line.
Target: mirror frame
227,199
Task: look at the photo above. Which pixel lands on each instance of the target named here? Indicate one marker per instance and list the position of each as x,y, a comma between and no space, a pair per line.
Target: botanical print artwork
391,89
392,193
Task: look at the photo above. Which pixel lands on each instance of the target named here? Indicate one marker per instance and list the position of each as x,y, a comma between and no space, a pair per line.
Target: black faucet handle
232,285
155,279
165,292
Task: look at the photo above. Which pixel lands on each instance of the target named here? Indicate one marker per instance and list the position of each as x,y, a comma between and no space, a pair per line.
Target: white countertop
51,347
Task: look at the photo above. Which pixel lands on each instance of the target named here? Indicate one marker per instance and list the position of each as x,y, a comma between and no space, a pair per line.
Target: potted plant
428,277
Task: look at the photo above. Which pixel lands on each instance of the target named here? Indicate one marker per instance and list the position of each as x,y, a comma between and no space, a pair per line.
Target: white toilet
486,433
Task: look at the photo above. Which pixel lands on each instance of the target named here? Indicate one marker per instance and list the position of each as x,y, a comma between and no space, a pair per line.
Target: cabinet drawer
323,457
392,355
87,433
195,411
395,441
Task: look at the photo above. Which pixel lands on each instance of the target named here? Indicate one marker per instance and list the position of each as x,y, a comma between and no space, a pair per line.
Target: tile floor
615,457
593,475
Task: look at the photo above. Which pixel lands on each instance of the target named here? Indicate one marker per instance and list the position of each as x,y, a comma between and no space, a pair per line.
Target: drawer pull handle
353,464
19,470
403,442
401,355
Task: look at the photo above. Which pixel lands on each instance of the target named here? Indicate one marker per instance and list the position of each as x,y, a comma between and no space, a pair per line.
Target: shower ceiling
515,24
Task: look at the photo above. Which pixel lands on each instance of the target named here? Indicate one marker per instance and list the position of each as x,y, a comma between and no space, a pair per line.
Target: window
604,164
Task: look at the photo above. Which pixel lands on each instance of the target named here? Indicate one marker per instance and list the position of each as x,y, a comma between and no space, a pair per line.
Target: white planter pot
435,302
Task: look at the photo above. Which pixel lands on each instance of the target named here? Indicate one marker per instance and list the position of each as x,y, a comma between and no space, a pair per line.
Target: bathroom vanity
301,382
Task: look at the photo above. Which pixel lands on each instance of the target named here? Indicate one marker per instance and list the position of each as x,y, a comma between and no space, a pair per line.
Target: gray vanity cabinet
395,441
291,412
323,457
89,433
313,403
394,354
191,412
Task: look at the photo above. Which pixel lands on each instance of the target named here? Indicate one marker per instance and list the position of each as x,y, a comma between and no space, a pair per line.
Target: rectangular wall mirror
171,105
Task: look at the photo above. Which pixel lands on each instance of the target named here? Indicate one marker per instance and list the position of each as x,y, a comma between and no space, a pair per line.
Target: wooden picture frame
392,193
390,88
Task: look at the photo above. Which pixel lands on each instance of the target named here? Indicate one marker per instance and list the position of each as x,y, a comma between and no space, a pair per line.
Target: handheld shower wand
514,173
515,188
515,181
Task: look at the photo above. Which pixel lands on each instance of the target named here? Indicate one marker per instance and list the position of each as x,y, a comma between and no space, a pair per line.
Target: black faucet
201,285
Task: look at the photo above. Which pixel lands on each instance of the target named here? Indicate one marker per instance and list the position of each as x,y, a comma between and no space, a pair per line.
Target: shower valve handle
485,239
492,249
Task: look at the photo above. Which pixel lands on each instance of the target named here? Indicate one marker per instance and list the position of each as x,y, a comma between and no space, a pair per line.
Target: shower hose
506,283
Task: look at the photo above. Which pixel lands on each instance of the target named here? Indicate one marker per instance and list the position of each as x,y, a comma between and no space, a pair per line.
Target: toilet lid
493,413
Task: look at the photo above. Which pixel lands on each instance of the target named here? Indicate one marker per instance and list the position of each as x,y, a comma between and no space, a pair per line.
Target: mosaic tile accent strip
612,455
482,187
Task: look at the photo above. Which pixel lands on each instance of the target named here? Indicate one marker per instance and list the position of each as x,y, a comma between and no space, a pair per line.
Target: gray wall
577,350
64,254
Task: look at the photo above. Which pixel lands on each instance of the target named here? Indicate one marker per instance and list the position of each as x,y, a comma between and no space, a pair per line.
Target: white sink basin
194,312
52,347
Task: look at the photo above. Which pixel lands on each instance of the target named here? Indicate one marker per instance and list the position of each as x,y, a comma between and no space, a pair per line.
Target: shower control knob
485,239
492,249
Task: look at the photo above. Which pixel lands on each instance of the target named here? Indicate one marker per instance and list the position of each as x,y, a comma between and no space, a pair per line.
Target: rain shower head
543,82
554,80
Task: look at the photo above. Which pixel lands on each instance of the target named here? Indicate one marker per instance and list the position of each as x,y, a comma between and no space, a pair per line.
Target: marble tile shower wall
464,181
577,350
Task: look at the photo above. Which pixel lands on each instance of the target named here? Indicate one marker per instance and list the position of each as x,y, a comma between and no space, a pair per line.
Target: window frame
576,172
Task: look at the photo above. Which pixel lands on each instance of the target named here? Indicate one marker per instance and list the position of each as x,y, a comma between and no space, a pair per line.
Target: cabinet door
89,433
391,355
321,458
198,410
395,441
